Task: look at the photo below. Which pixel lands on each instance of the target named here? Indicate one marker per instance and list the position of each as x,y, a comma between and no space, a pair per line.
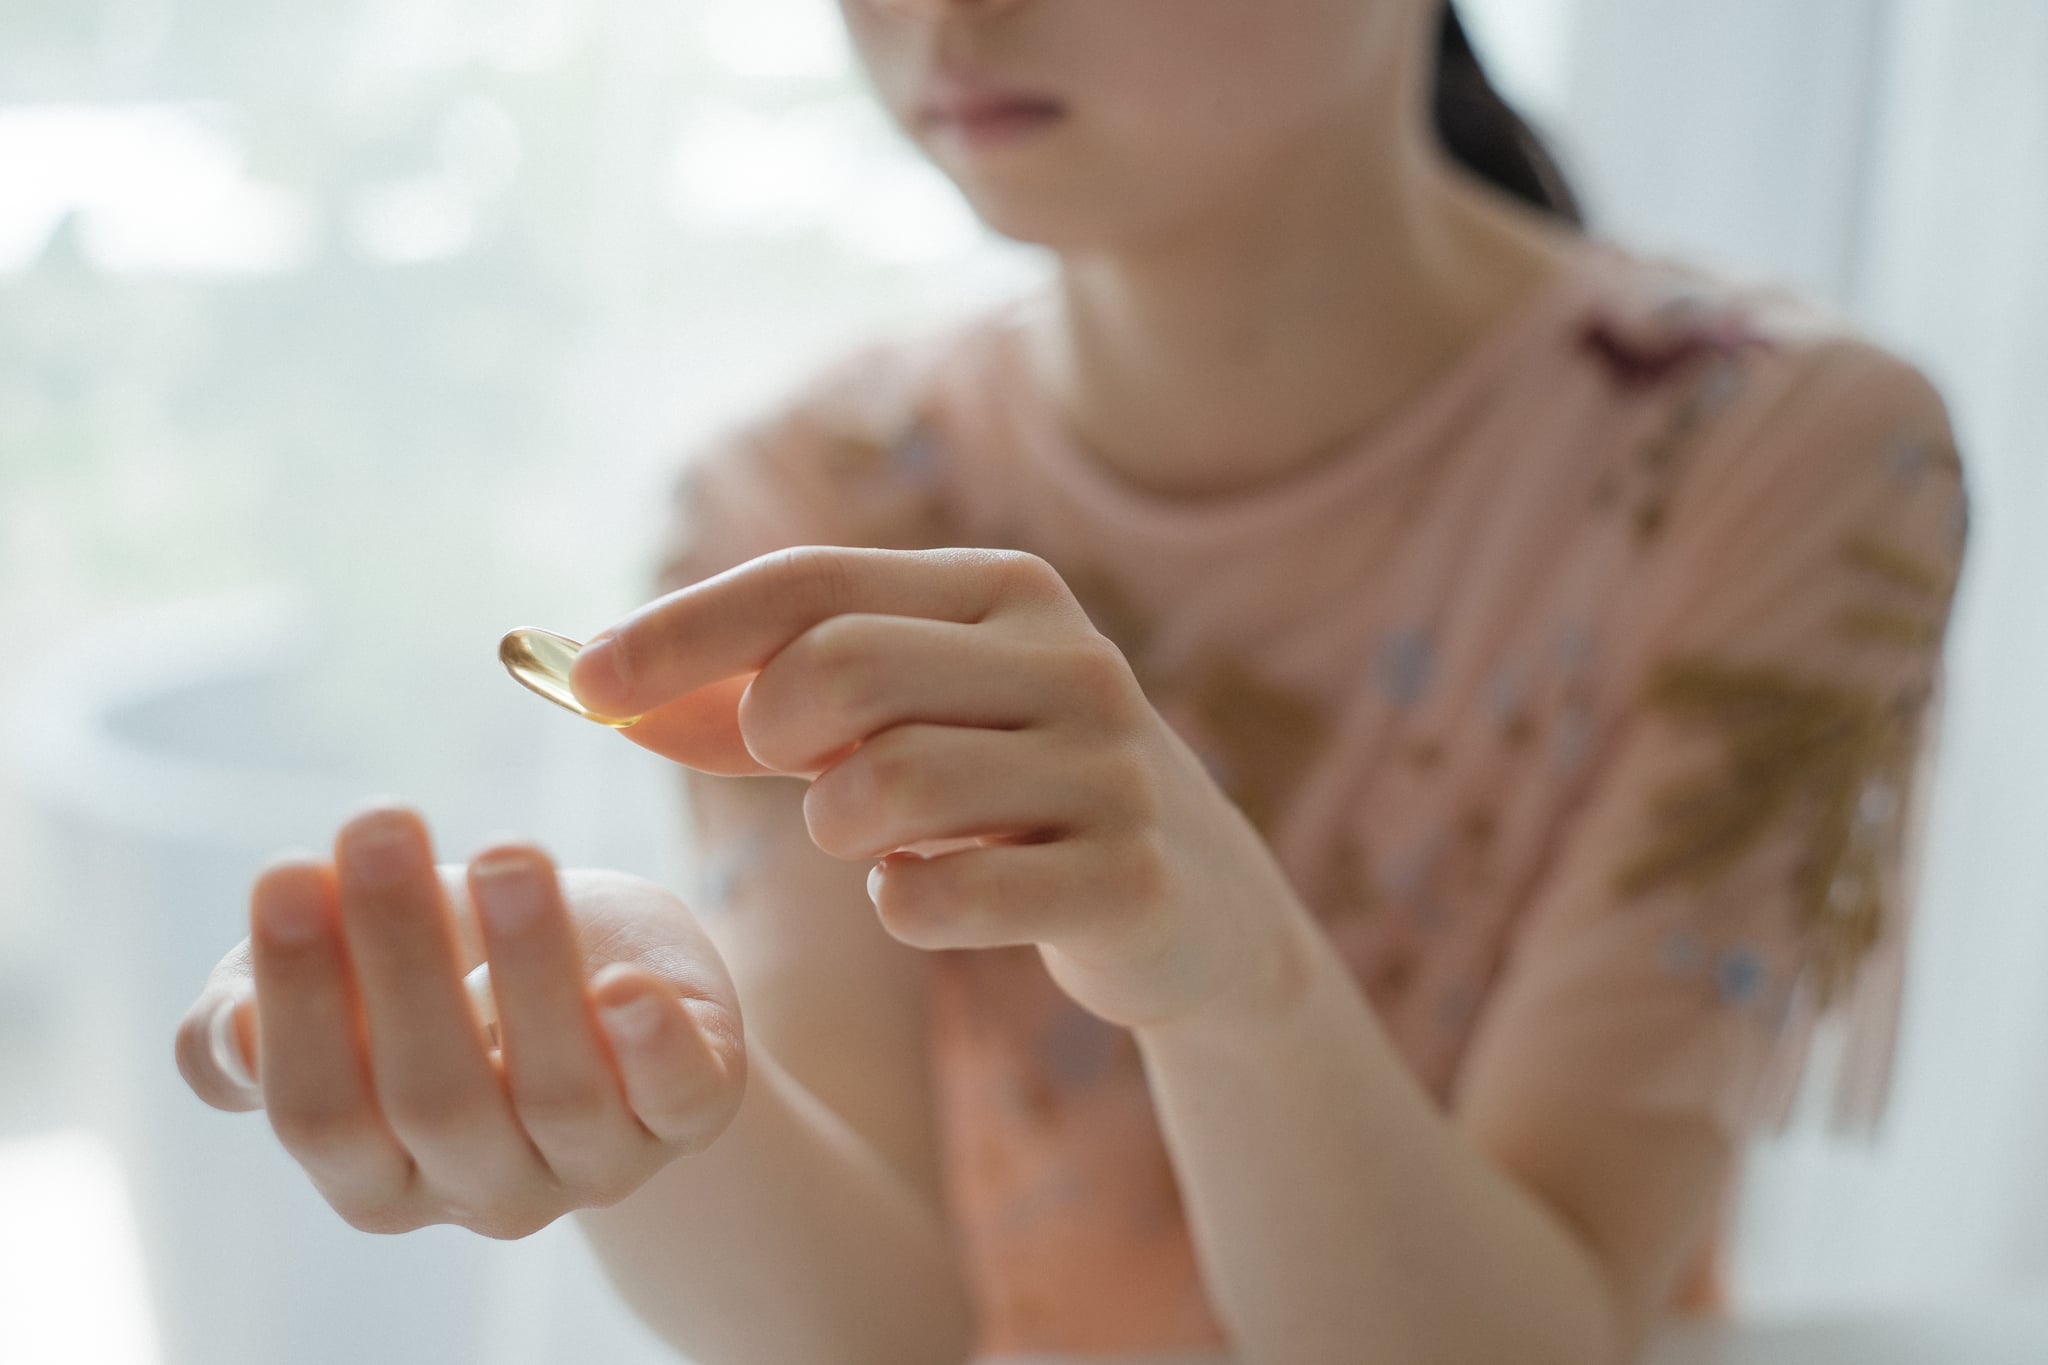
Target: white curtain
1890,159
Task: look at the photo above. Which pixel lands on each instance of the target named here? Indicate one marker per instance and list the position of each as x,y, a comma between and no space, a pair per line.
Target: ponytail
1486,136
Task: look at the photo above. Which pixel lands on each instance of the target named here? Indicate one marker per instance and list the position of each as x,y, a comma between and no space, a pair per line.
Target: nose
935,9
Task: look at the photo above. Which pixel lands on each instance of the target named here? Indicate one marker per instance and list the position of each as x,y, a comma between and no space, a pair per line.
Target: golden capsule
540,660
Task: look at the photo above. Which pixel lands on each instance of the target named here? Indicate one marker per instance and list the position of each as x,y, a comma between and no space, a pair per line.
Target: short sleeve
1737,882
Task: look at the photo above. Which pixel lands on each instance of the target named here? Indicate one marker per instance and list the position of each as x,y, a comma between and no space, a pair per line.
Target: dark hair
1484,134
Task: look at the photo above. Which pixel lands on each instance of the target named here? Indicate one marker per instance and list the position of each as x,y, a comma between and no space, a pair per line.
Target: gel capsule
540,659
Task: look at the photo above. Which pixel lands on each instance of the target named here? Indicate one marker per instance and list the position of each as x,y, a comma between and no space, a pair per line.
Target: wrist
1266,973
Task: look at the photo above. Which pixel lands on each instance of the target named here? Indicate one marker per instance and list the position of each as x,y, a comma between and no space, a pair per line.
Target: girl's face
1089,123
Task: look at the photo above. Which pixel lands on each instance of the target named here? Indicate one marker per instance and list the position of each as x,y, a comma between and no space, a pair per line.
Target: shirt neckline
1048,444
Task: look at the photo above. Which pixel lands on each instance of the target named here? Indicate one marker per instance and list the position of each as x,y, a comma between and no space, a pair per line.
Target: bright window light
156,187
72,1289
776,39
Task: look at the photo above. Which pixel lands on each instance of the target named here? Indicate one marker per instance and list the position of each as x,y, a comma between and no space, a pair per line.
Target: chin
1066,218
1036,222
1091,202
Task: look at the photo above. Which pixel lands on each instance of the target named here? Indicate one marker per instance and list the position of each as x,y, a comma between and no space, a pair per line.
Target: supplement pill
540,660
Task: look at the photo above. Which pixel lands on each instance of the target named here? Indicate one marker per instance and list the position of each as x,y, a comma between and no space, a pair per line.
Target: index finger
734,622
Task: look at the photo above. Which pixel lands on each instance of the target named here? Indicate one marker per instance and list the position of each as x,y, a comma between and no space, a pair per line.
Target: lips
978,111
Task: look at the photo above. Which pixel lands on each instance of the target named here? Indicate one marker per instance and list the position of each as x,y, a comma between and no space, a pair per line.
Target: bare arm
787,1239
813,1228
1339,1216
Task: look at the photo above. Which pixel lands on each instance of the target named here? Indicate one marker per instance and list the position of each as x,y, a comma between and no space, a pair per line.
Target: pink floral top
1587,702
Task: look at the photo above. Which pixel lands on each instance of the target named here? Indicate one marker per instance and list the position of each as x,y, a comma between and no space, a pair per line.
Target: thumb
682,1061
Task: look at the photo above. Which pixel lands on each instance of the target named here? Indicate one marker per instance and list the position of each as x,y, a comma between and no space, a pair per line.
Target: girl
1298,794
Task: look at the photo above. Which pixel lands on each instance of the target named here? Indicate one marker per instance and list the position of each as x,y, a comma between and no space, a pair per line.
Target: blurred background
336,339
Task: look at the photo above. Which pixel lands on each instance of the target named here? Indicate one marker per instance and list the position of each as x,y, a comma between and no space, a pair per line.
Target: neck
1254,343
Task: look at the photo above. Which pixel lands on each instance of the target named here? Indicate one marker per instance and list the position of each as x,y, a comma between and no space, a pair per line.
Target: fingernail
875,885
635,1020
599,672
510,889
225,1042
381,850
292,911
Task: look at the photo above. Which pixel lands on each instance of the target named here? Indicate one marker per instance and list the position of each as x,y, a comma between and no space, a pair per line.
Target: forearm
789,1238
1337,1214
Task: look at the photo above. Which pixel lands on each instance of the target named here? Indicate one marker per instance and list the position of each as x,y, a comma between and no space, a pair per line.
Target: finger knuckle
382,1217
764,709
510,1227
822,571
906,911
896,779
438,1113
699,1134
840,665
1142,872
1100,679
827,814
934,905
690,1124
318,1134
694,1104
603,1193
1030,575
568,1108
856,807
